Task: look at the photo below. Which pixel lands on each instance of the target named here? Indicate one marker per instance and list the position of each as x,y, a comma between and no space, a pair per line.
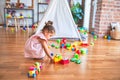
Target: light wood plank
101,63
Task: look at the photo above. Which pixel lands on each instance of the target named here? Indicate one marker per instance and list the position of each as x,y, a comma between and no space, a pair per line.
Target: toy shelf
20,18
43,3
17,10
40,6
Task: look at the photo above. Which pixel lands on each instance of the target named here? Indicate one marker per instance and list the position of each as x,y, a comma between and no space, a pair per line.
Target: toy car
32,72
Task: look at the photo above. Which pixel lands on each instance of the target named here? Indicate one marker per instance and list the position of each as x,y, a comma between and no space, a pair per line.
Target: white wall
2,4
87,14
75,1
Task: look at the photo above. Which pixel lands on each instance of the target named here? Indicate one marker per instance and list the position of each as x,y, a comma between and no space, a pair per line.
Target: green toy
73,59
78,61
57,47
92,43
84,51
58,41
95,37
52,45
76,56
68,44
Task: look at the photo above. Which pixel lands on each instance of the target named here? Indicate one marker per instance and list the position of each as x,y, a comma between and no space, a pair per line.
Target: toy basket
115,34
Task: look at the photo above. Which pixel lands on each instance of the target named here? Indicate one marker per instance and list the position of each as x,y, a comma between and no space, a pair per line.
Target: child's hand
51,61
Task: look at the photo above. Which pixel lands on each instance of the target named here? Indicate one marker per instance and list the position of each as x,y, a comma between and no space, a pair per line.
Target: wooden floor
101,63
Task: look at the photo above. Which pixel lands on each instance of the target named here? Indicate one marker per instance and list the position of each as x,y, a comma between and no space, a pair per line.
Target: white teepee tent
59,12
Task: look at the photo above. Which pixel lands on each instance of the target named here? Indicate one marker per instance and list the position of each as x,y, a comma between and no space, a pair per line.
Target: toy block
57,58
52,45
84,51
76,56
78,61
73,59
64,61
84,44
78,51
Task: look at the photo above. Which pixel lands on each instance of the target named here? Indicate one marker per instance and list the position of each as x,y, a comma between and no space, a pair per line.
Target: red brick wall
97,17
107,11
117,10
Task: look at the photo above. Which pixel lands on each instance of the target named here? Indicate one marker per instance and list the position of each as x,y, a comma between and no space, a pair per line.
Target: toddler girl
36,46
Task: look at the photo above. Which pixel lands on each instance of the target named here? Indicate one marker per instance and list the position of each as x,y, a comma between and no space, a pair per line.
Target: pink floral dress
33,48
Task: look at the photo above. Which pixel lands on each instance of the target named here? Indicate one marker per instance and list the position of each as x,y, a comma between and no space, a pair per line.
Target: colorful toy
10,13
78,51
21,5
93,33
38,66
109,37
13,5
62,46
84,51
32,72
13,13
64,61
56,47
105,37
92,43
62,43
78,61
64,40
68,48
52,54
34,26
84,44
8,16
95,37
8,5
75,44
58,41
73,49
75,59
57,58
68,45
52,45
76,56
49,46
24,28
21,15
12,29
